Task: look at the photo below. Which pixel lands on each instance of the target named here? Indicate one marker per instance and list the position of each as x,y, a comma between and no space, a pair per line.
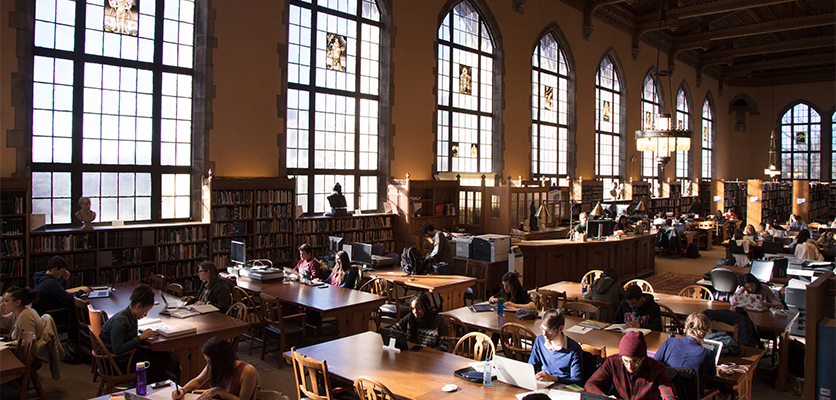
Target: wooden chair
456,329
696,292
261,394
83,321
157,281
476,346
591,276
583,310
279,325
175,289
593,358
741,257
517,341
237,310
369,389
97,320
607,314
107,368
254,316
717,326
595,351
391,309
690,384
550,299
670,322
643,285
479,290
312,378
25,352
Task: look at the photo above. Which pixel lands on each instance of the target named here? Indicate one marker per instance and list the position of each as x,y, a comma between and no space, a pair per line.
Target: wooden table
709,237
689,237
776,324
740,383
451,288
187,348
10,367
351,308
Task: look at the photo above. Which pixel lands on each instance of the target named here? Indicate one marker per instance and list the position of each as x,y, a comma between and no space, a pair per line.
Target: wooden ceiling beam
782,25
716,7
711,58
748,68
589,9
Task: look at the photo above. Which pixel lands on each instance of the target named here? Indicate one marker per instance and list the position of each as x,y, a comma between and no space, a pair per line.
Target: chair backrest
696,292
378,249
369,389
456,329
157,281
550,299
97,319
105,362
583,310
717,326
591,276
380,287
770,247
686,383
81,313
595,351
25,352
479,270
670,322
593,358
254,314
643,285
312,378
174,289
271,310
517,341
723,280
476,346
606,315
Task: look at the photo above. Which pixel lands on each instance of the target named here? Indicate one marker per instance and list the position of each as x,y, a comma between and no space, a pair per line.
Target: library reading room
417,199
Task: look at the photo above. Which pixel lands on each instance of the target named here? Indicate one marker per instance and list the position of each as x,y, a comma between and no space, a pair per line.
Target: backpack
730,346
412,262
692,251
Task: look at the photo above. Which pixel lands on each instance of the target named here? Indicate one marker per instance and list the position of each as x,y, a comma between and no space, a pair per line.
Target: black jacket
747,334
216,294
648,315
52,293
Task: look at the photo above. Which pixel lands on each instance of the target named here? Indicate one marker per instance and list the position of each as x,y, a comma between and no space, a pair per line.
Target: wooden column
801,190
754,201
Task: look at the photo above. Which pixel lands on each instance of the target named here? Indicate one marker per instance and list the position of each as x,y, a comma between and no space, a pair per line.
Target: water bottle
486,372
500,308
584,287
141,367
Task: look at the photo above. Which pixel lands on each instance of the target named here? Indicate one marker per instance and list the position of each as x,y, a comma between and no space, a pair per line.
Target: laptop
389,335
517,373
716,348
174,304
100,294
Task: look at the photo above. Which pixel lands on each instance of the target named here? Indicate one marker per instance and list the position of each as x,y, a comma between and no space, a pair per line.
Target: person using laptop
688,352
555,356
751,286
622,225
423,326
805,248
51,286
639,310
229,377
631,373
17,313
307,262
441,257
512,293
343,275
213,289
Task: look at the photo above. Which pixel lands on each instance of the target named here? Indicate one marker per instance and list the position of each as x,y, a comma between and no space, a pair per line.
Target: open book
193,310
623,329
588,323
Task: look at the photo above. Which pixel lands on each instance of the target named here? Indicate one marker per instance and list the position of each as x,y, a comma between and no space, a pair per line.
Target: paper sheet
578,329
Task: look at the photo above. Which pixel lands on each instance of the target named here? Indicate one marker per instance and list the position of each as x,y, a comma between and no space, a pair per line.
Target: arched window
650,108
608,138
112,109
464,142
333,100
801,143
707,139
683,121
549,109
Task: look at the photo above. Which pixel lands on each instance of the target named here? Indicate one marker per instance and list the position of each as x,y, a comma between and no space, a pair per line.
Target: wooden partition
820,295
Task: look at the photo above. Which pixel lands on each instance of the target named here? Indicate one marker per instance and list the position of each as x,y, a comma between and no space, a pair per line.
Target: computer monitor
238,253
680,228
762,270
623,209
335,244
361,253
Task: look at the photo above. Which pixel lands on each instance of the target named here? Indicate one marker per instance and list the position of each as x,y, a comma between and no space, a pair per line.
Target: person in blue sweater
555,356
688,352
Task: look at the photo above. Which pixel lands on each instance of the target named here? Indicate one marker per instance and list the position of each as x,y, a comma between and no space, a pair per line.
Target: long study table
187,348
451,288
351,308
10,367
778,324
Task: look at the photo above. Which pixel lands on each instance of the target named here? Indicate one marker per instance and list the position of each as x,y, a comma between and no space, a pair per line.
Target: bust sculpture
85,214
337,202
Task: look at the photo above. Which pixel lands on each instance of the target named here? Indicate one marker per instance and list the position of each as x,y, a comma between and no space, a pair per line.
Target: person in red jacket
632,374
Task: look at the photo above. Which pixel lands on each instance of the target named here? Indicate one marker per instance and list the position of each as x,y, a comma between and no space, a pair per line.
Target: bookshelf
13,228
635,191
257,211
705,196
818,200
365,228
832,202
776,202
416,203
735,196
587,194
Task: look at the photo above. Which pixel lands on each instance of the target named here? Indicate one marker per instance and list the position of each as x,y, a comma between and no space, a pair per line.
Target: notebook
517,373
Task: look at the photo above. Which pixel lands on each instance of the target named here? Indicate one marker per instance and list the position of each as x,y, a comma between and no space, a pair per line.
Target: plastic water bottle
500,308
141,367
486,372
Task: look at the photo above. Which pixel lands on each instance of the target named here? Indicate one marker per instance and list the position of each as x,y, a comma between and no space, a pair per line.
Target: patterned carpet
671,283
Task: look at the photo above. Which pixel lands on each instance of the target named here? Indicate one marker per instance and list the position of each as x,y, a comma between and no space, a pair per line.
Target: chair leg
37,383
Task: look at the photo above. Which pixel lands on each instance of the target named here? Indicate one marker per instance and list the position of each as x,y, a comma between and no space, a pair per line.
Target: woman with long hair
512,293
213,289
343,275
555,356
423,325
17,312
750,284
229,378
687,352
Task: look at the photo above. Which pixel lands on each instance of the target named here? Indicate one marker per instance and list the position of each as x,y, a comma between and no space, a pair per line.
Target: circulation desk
549,261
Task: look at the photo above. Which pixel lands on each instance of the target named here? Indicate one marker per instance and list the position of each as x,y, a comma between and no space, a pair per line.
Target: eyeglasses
200,270
632,362
547,330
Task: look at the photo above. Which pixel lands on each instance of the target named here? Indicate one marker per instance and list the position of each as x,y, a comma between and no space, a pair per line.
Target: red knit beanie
633,345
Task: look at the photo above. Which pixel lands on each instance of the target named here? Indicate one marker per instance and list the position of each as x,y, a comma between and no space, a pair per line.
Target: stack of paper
175,330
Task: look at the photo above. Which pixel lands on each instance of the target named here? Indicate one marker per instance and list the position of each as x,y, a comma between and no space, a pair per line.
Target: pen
177,388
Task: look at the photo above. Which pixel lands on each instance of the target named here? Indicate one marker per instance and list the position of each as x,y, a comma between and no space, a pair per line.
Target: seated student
763,232
307,262
622,225
423,326
512,293
750,232
231,379
607,289
632,374
51,286
719,218
639,310
805,247
555,356
343,275
17,312
796,222
730,215
688,352
581,226
750,284
213,289
119,334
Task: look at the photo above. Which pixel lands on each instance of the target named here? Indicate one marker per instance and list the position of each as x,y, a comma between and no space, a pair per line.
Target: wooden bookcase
13,228
832,202
365,228
772,202
705,196
257,211
587,194
735,196
417,202
635,191
818,200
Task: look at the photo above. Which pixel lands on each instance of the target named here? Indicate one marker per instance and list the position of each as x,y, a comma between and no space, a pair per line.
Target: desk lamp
597,212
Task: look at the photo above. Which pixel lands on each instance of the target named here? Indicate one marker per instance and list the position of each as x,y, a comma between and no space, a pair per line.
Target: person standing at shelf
441,257
213,290
307,262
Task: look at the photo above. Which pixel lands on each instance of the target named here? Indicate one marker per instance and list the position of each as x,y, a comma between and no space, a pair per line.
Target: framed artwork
648,120
465,74
801,137
122,17
454,149
705,134
548,98
474,150
335,52
606,113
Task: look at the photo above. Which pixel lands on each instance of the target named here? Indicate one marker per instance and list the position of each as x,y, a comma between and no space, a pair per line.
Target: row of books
12,205
231,213
126,256
76,261
13,226
54,243
229,228
274,226
179,252
274,211
273,196
224,197
312,226
12,248
11,267
185,234
126,238
278,240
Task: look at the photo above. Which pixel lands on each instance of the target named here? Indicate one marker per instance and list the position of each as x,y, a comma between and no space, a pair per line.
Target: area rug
671,282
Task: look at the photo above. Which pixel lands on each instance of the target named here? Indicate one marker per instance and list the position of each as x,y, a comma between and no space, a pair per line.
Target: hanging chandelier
662,136
772,171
